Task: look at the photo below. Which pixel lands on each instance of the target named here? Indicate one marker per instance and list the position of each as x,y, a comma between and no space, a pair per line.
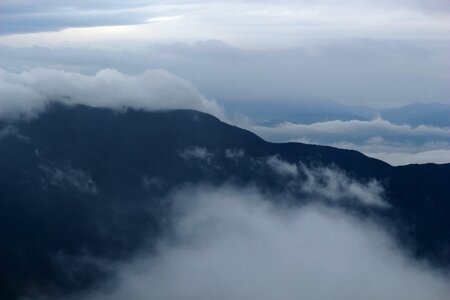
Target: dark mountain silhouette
81,180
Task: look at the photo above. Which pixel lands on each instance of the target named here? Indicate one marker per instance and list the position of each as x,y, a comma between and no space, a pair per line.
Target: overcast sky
250,23
354,52
382,53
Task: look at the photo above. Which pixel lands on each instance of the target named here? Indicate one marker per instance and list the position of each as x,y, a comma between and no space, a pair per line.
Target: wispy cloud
354,130
62,174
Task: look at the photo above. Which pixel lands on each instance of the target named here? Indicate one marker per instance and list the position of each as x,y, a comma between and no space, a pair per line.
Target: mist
238,243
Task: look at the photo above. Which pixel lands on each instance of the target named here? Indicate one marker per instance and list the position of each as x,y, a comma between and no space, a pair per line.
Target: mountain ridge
102,166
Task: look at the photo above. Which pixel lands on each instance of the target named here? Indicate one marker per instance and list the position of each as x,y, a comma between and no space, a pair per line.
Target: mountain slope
76,180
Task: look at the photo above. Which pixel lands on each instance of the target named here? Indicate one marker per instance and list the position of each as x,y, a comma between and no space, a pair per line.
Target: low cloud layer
396,144
438,156
28,93
231,243
354,130
398,154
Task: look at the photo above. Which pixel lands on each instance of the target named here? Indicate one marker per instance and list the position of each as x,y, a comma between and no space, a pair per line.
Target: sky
225,53
387,53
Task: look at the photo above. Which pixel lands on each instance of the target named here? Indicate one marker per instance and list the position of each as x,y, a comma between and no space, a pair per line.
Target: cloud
281,167
62,174
398,153
231,243
336,185
12,131
327,183
28,93
351,71
438,156
200,153
234,154
355,131
396,144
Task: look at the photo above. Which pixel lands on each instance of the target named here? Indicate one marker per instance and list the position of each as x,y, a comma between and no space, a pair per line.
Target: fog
235,243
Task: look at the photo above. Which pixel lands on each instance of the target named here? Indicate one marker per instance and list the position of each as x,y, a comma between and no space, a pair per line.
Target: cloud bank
438,156
231,243
354,130
396,144
28,93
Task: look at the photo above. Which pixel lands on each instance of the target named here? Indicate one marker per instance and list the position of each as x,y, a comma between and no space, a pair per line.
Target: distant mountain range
76,180
271,112
436,114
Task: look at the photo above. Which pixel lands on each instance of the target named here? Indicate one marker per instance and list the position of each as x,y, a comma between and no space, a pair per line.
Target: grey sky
354,52
253,24
383,53
378,73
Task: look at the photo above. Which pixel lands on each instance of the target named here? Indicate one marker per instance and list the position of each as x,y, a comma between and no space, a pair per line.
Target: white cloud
281,167
327,183
395,144
336,185
438,156
28,93
234,244
354,130
197,153
234,154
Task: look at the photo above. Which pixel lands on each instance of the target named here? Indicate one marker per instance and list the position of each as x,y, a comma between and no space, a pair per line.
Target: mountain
80,180
434,114
269,112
